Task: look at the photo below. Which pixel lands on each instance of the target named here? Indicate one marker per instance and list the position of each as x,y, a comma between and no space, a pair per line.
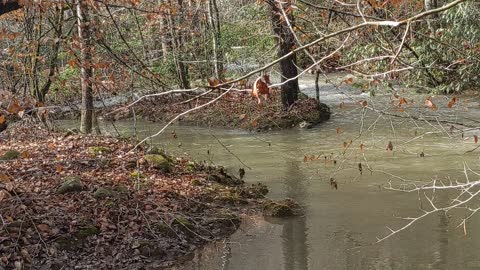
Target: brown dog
260,87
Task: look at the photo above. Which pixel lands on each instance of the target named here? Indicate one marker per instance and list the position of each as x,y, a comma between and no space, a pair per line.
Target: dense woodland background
54,49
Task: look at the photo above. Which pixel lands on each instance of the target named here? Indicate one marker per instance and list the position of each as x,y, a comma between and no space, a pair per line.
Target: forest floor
234,110
69,201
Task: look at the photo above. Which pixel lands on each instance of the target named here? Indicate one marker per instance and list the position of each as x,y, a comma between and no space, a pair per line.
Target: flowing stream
339,229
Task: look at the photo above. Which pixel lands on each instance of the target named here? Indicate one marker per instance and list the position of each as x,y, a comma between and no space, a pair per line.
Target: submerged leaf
390,146
452,102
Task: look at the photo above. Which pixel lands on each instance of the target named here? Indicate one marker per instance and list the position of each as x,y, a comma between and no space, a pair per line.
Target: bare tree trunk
286,40
431,4
178,39
96,125
86,80
317,88
214,21
41,94
163,38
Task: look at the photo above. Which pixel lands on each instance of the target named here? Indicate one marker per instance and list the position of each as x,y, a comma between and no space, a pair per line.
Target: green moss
154,151
224,179
131,164
150,249
274,209
136,174
10,155
102,193
257,191
115,192
231,197
103,162
110,203
164,229
70,184
191,167
196,182
283,208
86,231
66,242
158,162
302,95
121,189
183,224
225,213
98,150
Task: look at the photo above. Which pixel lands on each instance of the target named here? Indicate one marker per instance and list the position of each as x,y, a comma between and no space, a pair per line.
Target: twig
231,153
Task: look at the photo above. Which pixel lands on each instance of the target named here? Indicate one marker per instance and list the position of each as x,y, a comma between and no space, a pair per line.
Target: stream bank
236,110
71,201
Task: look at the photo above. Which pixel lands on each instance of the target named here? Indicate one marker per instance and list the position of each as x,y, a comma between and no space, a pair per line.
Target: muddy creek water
339,229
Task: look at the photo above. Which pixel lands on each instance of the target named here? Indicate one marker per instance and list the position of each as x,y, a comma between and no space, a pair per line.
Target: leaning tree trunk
86,69
286,40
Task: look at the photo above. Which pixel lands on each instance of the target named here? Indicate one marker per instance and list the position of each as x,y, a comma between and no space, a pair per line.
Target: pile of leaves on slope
234,110
69,201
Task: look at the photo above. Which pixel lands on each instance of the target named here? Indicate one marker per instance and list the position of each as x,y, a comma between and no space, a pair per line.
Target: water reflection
340,227
295,230
440,252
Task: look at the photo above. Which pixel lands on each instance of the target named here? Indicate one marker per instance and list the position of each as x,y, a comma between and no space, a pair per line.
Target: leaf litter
122,214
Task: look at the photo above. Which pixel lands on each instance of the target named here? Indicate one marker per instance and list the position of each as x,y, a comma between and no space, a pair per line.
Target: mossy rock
285,122
305,125
149,249
121,190
324,112
164,229
102,193
257,191
157,151
191,167
302,95
225,213
223,222
70,184
224,179
104,162
65,242
110,203
10,155
284,208
196,182
131,164
231,198
115,192
75,240
86,231
183,221
98,150
183,224
154,151
158,162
